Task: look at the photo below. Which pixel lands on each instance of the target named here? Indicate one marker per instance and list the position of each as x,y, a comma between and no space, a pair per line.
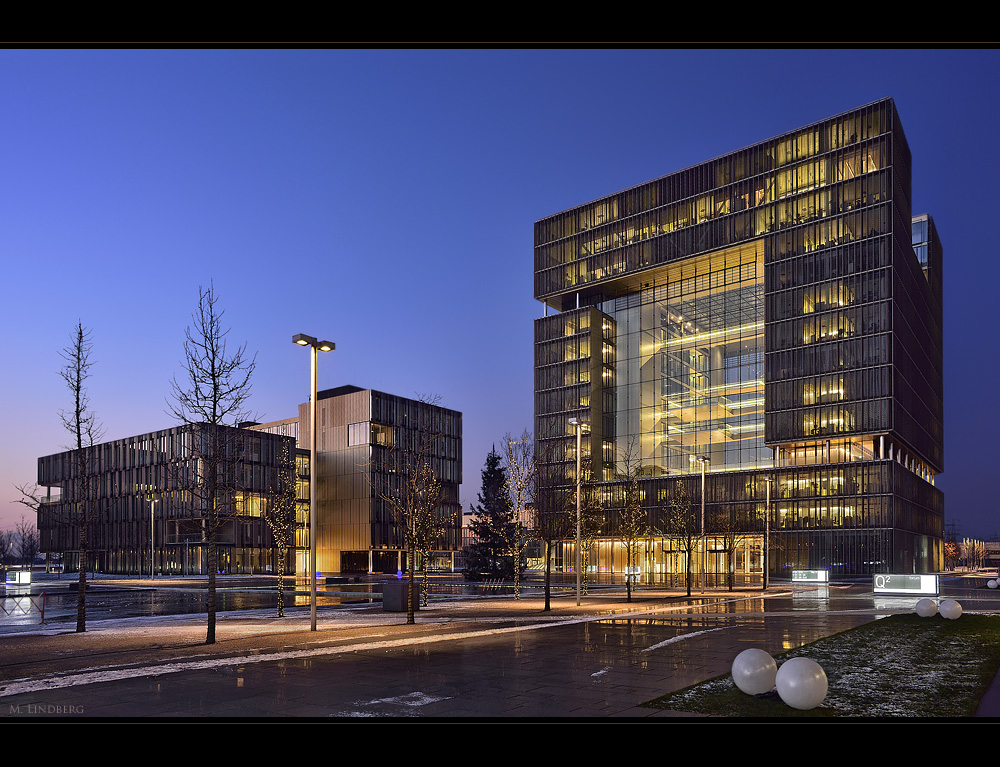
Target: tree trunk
213,562
517,561
81,591
628,576
409,589
281,582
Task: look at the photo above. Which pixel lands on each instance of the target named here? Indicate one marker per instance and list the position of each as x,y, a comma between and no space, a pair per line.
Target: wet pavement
465,657
53,600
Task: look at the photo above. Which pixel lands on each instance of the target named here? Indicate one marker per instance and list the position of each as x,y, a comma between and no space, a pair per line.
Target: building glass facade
360,433
765,310
145,504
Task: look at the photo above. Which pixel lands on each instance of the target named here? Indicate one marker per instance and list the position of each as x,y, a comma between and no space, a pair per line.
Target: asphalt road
469,658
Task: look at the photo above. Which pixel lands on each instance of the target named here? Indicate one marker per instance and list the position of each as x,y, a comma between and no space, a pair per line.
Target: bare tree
731,528
7,541
680,523
519,457
555,515
430,531
27,542
211,398
593,519
950,555
633,520
81,422
405,479
280,516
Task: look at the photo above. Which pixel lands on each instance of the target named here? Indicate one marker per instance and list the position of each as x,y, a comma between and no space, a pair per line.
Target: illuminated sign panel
898,583
810,576
18,577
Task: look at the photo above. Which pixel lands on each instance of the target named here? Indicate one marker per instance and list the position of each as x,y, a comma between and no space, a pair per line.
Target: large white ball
991,584
950,609
801,683
926,608
754,671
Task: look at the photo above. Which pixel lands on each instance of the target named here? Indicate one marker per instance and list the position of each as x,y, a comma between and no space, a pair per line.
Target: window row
817,422
817,359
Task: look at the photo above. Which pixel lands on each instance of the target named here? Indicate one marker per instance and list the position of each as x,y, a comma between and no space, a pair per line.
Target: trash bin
394,596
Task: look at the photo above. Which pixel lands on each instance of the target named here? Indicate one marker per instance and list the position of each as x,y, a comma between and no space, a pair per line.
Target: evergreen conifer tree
492,525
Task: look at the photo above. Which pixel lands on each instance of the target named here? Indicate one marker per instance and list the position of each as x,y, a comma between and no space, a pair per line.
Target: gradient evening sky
385,200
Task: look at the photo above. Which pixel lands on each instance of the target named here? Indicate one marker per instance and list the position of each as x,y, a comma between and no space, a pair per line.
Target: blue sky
385,200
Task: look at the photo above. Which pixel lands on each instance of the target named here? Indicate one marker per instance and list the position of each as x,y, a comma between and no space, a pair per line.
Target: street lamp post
579,425
317,346
767,528
704,461
152,536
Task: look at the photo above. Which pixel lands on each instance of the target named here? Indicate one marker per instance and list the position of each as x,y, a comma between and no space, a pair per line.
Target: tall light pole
704,461
317,346
767,527
579,425
152,537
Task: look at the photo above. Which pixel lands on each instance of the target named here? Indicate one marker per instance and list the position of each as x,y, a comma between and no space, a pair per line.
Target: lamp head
303,340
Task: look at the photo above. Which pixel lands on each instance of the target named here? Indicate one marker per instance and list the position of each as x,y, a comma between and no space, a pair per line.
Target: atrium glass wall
690,364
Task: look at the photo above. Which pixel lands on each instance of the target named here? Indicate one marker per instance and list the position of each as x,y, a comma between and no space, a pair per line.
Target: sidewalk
265,666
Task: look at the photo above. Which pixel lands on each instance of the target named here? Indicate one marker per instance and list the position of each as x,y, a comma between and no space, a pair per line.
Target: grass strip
899,666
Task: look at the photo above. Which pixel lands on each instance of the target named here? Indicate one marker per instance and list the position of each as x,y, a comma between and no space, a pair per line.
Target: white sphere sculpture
754,671
801,683
991,584
926,608
950,609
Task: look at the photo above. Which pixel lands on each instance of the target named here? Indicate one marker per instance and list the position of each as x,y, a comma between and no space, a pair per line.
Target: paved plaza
465,657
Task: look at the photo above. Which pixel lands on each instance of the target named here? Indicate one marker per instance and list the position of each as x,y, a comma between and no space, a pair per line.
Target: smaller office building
363,436
148,511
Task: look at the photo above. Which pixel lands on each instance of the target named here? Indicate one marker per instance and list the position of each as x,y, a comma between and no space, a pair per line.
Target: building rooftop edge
887,99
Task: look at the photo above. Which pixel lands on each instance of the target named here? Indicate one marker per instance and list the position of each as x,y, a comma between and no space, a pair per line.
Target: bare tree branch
7,541
211,397
82,424
680,523
27,542
280,516
519,457
633,521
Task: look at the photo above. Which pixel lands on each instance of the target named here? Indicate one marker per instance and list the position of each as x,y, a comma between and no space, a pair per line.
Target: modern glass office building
772,314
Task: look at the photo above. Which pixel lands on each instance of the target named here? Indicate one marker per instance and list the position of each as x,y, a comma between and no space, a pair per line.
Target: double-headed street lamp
317,346
579,425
